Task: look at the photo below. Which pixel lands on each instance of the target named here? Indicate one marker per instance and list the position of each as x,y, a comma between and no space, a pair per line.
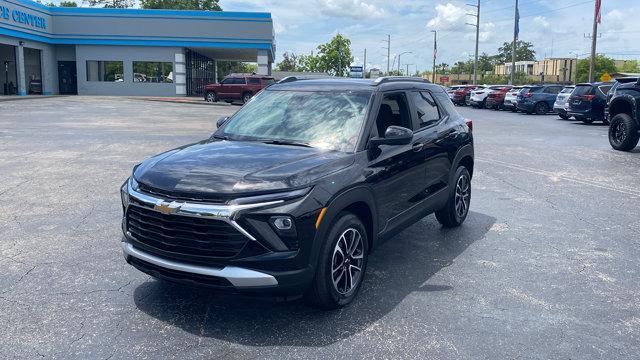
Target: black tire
211,96
564,116
541,108
623,133
482,104
605,120
454,212
324,292
246,97
586,120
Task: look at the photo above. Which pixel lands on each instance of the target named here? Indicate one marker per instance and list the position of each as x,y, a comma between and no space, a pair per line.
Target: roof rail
388,79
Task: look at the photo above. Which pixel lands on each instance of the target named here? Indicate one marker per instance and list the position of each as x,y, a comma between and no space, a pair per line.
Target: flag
516,28
435,49
598,11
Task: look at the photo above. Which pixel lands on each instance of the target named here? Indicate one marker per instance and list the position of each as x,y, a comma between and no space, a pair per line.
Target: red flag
598,11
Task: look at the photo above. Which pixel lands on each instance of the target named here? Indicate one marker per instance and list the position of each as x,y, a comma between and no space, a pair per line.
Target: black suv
293,192
588,101
624,118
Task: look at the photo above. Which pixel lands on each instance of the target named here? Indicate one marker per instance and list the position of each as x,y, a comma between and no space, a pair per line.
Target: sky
556,27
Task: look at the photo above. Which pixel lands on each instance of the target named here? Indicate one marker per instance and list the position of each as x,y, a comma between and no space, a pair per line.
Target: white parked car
562,102
479,97
511,98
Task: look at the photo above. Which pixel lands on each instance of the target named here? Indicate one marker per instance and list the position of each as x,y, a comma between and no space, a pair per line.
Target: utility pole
364,64
516,30
594,39
388,53
477,25
407,73
435,54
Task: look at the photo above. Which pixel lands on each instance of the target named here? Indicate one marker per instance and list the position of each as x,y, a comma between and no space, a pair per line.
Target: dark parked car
292,192
495,99
237,87
588,101
461,96
624,127
538,99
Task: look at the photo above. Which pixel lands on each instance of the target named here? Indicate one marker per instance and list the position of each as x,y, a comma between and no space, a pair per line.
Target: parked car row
613,103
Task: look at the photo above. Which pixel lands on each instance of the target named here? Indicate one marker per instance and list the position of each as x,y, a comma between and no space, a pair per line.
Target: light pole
435,54
399,55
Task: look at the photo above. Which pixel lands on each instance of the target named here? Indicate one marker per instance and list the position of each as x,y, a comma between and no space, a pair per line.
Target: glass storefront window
152,72
109,71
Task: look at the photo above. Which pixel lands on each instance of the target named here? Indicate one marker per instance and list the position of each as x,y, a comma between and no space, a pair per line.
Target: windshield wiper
286,142
221,137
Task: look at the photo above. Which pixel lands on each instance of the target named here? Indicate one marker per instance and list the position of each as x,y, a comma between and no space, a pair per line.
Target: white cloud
447,16
542,21
355,9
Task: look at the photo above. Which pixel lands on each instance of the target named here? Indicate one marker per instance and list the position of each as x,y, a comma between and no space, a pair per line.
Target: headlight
124,194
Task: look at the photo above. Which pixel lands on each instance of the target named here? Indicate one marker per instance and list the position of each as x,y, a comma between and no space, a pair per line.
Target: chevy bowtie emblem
167,208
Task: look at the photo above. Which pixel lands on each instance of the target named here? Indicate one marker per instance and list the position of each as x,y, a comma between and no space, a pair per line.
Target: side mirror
221,121
394,135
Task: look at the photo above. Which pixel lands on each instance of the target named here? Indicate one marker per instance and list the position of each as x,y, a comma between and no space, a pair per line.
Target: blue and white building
95,51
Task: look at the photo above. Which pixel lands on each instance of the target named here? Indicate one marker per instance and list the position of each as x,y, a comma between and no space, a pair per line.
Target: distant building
557,70
521,67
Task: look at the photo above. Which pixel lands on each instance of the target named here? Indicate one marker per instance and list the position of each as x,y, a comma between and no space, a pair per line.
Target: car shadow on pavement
399,267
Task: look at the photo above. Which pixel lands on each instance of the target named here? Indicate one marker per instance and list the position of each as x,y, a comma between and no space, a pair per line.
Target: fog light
282,222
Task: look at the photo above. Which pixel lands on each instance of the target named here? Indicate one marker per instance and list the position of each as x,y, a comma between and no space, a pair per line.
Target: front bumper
263,266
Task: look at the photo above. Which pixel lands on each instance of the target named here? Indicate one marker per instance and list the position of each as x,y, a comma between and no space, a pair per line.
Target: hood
220,168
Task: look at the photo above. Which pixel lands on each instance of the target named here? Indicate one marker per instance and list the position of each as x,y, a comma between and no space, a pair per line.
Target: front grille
176,195
178,276
183,237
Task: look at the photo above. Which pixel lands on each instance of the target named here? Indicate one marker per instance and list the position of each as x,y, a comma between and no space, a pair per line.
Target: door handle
417,147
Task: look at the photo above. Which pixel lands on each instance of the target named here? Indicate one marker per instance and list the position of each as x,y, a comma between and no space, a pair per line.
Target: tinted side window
427,110
227,81
552,90
240,81
254,81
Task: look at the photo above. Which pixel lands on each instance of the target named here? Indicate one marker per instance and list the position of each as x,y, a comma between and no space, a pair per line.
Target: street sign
444,79
356,72
606,77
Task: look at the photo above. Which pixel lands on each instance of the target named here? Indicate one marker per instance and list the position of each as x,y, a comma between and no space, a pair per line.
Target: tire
211,96
541,108
564,116
246,97
586,120
605,120
456,210
623,133
482,104
325,292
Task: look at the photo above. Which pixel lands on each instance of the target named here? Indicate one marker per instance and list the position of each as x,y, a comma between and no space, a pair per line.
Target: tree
209,5
462,67
630,66
290,62
113,4
442,68
603,64
63,4
524,52
485,63
335,57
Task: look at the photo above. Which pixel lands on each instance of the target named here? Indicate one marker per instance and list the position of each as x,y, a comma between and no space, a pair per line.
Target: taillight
528,94
588,97
469,124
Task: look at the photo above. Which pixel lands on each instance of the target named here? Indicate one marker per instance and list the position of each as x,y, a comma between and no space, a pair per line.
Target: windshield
566,90
327,120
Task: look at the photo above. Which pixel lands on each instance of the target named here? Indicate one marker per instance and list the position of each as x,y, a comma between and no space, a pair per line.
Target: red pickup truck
237,87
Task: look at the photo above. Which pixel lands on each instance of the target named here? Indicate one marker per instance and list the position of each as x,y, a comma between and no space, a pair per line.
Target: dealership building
95,51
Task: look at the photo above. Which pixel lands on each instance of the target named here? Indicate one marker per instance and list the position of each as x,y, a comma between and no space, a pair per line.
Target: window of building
108,71
152,72
32,71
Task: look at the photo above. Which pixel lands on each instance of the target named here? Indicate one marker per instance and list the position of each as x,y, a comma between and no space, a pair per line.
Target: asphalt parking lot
546,265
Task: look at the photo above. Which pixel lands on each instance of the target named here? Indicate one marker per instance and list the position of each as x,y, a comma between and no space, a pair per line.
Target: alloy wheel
347,261
211,97
463,195
619,132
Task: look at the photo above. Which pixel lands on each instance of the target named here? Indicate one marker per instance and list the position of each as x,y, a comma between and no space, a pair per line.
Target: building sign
22,17
444,79
356,72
